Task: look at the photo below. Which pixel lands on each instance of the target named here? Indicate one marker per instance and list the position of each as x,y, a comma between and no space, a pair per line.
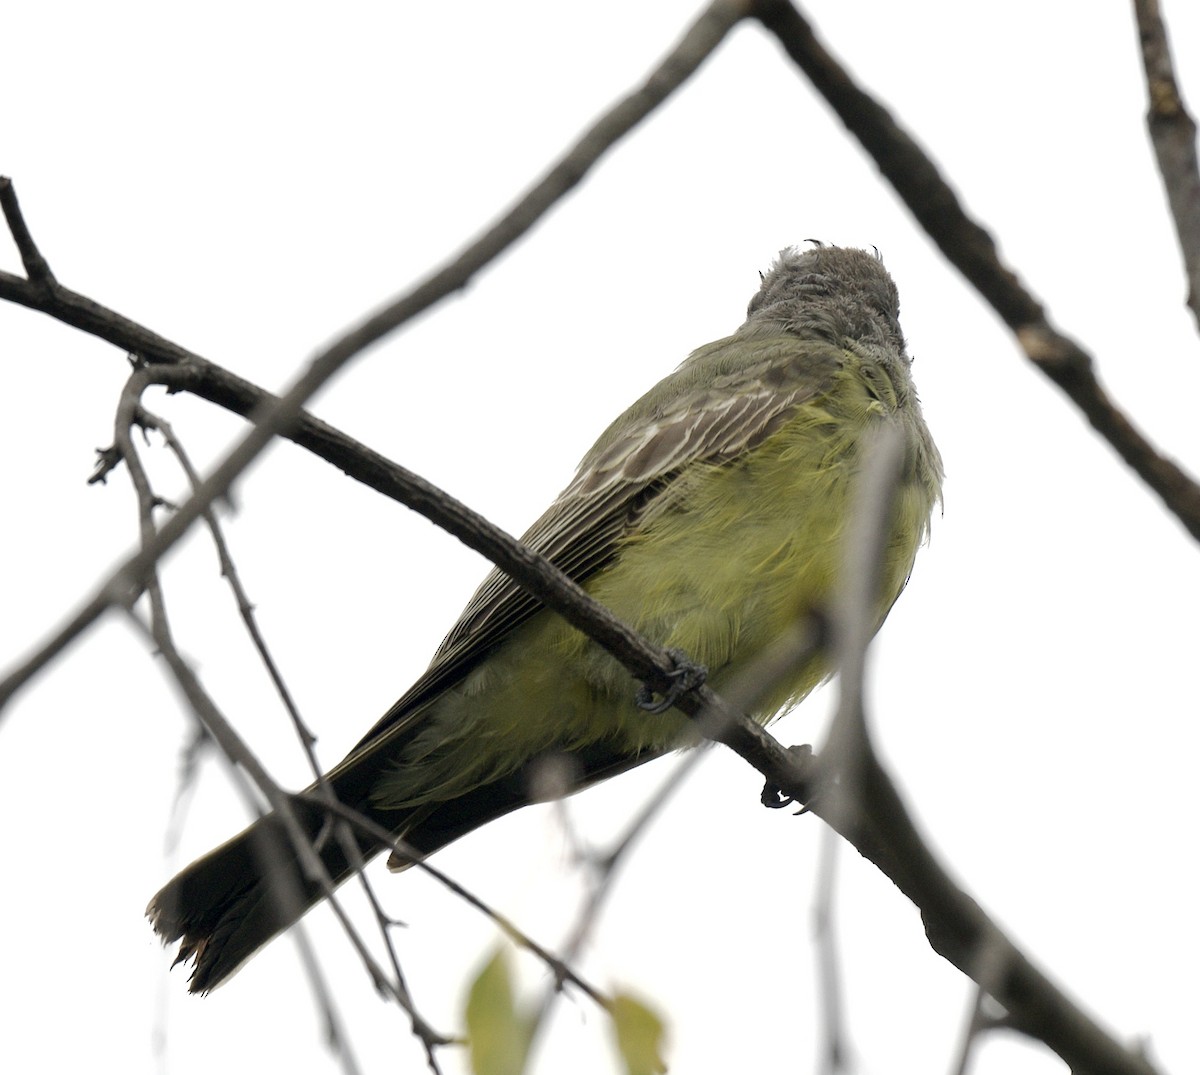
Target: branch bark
970,249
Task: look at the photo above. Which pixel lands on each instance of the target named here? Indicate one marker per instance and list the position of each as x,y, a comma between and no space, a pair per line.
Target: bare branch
854,615
129,414
229,572
236,750
384,838
37,268
971,250
306,738
1173,135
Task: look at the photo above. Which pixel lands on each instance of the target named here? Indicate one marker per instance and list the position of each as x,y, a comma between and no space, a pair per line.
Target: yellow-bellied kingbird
708,516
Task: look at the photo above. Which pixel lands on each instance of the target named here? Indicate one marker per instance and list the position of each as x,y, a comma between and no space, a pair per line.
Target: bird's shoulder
725,398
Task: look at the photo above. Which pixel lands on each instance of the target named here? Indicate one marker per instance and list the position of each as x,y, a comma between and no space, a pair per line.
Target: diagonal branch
971,250
129,414
864,798
305,737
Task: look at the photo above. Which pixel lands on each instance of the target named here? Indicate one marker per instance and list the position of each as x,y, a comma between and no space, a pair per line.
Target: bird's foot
685,676
774,797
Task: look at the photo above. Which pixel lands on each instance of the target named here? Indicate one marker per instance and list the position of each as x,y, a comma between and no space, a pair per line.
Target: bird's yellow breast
727,561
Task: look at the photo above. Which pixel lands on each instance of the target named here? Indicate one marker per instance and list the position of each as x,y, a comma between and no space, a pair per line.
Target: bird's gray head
834,292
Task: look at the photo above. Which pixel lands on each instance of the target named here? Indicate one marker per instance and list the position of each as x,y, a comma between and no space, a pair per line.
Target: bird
709,516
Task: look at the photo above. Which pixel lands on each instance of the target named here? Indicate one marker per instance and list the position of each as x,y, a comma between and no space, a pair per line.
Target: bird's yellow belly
730,562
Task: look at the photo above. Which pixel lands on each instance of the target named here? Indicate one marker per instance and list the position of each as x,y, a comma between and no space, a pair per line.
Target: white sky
248,179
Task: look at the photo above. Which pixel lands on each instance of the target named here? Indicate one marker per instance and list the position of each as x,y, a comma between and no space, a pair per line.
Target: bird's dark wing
728,398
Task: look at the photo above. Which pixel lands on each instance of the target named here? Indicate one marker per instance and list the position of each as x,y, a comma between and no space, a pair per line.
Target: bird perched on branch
709,516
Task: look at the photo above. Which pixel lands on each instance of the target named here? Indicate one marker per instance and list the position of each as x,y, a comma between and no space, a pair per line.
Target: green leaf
497,1033
639,1033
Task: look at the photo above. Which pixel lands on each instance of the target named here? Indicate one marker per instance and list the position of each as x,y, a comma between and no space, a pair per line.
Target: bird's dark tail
228,904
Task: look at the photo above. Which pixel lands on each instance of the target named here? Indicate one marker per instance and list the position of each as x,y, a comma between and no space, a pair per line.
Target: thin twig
129,414
206,710
853,622
306,738
233,747
230,573
831,1056
1173,135
990,968
854,613
743,694
384,838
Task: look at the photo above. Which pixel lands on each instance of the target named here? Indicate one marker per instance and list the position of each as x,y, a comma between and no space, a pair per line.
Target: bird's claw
685,676
775,798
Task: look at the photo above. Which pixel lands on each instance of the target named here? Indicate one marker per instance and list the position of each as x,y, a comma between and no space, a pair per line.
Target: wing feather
704,412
